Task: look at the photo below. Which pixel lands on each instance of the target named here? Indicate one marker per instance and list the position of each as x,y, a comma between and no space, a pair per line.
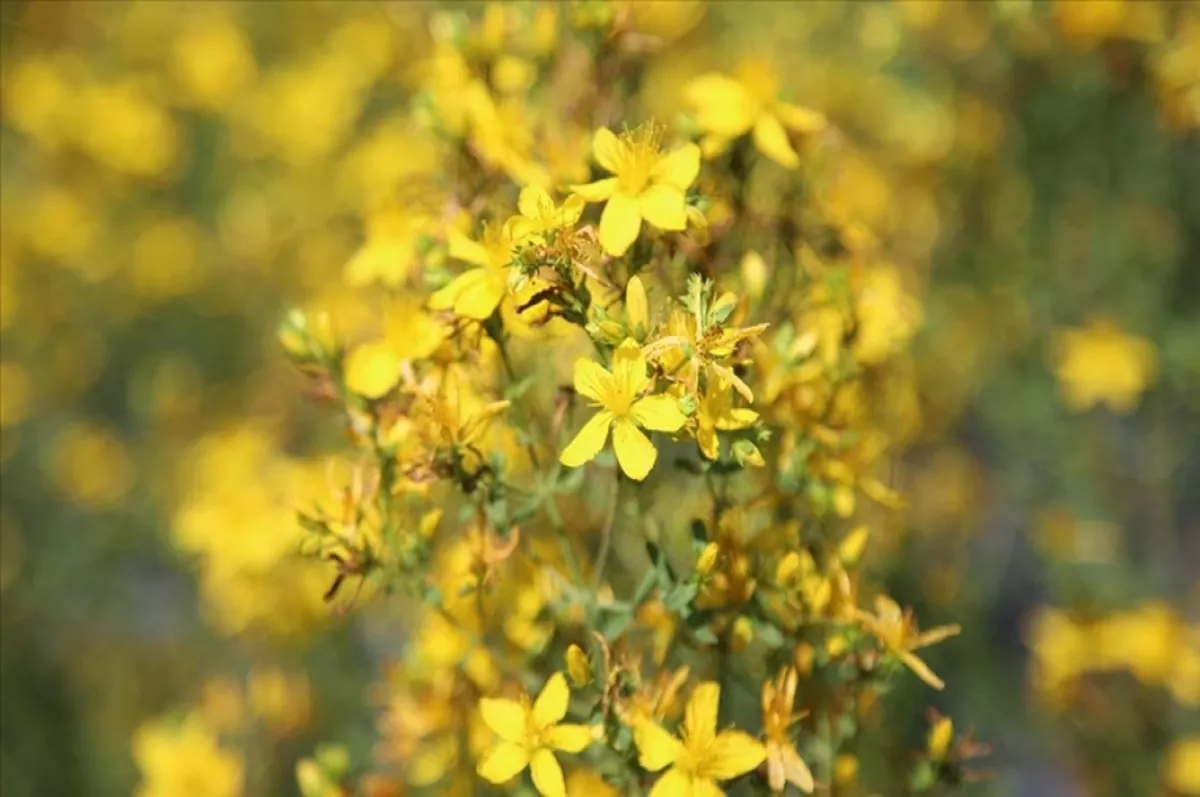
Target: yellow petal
551,705
588,442
663,206
673,784
637,309
619,224
721,104
569,738
922,671
934,635
506,718
656,747
678,169
734,753
706,438
547,774
797,772
772,141
503,762
629,369
591,380
700,719
736,419
658,413
372,370
534,202
635,452
705,787
714,146
481,297
470,283
597,191
607,149
463,248
800,119
571,210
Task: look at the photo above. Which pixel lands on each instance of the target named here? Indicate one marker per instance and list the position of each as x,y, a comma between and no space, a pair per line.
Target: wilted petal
796,771
635,452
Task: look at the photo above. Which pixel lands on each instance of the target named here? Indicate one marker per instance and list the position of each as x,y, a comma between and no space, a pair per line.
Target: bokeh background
176,175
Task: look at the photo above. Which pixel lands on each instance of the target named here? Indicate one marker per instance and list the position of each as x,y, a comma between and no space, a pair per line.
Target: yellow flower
185,760
539,215
649,184
1181,766
715,411
529,735
784,764
618,394
703,757
898,633
727,108
476,293
1100,364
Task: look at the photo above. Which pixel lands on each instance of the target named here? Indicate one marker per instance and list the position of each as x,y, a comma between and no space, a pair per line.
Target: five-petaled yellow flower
649,184
703,757
618,394
529,735
727,108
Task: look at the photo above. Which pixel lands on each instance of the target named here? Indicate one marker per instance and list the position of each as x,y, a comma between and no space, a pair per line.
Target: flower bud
578,667
747,454
708,559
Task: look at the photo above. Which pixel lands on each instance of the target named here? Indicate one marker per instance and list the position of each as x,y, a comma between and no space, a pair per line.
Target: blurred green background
175,175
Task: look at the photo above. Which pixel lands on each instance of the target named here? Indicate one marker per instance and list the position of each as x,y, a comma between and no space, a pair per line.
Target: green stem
606,536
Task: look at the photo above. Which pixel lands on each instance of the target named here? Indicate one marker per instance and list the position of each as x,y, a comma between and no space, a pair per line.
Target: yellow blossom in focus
648,184
529,736
623,408
1101,364
702,757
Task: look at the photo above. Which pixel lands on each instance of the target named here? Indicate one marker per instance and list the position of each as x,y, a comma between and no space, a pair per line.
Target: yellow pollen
642,151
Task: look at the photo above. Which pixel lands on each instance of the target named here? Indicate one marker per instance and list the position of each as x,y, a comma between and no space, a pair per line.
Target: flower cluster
633,430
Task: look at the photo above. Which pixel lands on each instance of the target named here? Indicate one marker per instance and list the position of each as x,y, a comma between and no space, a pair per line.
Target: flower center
641,154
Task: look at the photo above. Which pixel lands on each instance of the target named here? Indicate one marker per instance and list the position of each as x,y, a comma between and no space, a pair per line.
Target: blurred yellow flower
91,465
784,764
729,107
1101,364
1181,766
185,761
